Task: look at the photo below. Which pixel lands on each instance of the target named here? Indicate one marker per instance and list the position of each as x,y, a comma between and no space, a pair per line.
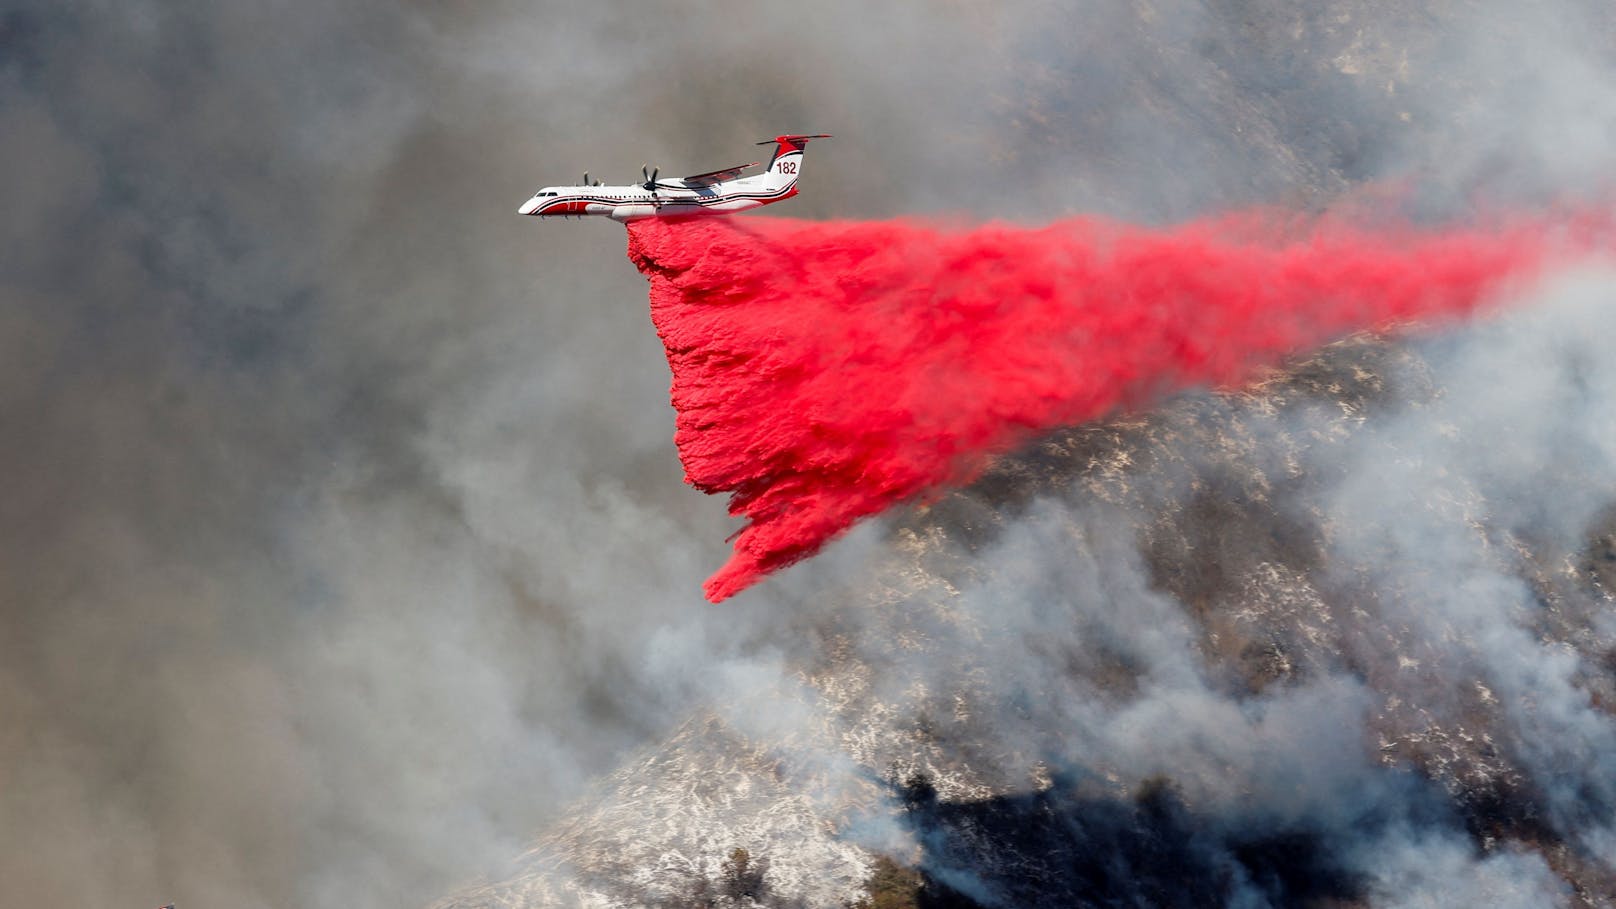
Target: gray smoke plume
344,543
1399,585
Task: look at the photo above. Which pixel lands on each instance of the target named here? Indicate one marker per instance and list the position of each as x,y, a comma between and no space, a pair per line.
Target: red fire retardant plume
824,371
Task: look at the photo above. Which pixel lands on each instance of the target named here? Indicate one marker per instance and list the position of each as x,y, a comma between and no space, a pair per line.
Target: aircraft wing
717,176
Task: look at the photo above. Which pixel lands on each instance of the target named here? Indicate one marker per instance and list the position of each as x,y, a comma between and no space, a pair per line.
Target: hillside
1315,642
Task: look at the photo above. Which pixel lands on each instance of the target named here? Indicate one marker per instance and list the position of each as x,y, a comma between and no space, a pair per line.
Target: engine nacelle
633,212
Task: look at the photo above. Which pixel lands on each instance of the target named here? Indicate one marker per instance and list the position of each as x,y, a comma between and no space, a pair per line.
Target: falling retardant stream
825,371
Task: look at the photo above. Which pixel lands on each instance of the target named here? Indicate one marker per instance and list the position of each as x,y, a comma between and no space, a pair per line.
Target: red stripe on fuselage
563,207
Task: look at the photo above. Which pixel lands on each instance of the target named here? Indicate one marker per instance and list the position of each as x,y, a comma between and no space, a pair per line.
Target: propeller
650,174
586,179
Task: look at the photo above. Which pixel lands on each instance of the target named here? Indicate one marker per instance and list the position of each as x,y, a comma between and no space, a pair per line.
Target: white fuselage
669,198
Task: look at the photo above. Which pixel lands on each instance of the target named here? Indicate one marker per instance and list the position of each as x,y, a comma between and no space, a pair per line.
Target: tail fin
787,161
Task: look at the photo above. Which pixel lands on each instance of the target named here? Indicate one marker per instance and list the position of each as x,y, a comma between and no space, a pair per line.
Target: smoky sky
344,540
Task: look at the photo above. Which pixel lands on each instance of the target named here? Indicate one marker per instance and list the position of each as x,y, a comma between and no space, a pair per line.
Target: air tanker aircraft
721,192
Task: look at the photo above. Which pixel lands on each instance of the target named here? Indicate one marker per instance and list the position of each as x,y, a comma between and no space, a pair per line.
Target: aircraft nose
529,207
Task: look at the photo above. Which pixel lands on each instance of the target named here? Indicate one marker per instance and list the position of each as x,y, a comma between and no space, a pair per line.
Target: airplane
720,192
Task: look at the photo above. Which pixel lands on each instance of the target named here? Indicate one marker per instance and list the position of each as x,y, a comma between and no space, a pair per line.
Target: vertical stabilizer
786,164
